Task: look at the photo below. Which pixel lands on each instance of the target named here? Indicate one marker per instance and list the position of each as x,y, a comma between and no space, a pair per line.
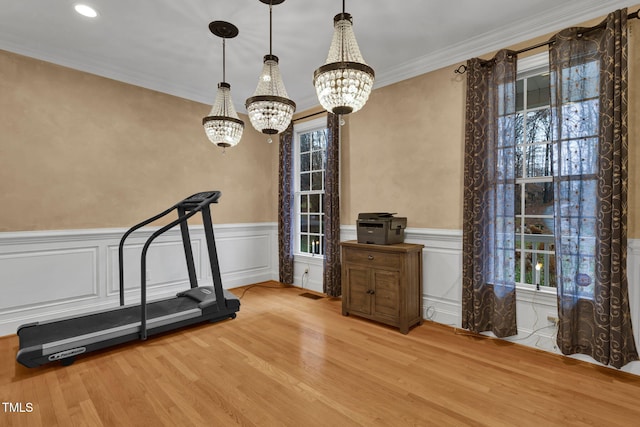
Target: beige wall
81,151
404,150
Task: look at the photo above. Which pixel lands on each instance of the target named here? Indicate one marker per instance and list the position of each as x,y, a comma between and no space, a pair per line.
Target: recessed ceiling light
85,10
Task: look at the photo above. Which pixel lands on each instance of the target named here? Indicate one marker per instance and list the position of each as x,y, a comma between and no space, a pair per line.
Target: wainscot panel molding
308,272
53,274
633,276
442,290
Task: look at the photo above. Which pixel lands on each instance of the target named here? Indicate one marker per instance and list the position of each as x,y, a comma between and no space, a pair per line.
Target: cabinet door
358,288
386,286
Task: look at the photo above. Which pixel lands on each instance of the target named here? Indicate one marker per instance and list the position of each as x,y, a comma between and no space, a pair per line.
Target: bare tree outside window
535,247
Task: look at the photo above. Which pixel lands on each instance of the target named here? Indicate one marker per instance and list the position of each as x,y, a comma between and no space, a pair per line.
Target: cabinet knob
370,257
371,292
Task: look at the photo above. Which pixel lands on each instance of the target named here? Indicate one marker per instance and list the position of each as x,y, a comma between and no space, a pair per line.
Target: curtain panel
285,207
589,109
489,294
332,285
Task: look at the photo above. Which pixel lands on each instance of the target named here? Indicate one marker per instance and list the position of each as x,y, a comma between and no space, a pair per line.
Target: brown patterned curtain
589,113
488,281
331,275
285,207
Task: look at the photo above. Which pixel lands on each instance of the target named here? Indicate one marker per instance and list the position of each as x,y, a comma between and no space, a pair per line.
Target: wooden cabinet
383,283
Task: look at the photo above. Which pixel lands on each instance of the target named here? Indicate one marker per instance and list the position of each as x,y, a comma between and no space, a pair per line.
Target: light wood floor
290,360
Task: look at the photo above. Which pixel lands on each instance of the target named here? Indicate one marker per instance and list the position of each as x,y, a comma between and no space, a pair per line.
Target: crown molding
551,20
527,28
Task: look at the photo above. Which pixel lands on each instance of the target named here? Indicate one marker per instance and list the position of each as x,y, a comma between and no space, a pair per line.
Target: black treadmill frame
186,209
34,352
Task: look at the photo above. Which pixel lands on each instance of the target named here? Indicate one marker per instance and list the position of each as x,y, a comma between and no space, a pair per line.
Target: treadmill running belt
73,327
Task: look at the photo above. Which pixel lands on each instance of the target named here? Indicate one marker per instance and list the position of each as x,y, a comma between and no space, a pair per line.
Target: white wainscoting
633,276
52,274
308,272
442,290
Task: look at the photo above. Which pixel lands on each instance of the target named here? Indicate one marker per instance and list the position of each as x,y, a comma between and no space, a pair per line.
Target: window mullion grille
317,146
531,176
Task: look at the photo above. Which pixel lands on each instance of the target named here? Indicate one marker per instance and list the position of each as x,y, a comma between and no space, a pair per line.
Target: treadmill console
206,197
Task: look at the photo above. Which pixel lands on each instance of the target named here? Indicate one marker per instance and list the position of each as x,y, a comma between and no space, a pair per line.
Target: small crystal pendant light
222,125
270,109
344,83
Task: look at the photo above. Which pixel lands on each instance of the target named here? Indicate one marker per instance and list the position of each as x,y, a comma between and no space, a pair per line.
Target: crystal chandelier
222,125
344,83
270,109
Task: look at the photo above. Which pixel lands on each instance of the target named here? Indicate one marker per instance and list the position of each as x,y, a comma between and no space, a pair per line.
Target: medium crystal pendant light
344,83
222,125
270,109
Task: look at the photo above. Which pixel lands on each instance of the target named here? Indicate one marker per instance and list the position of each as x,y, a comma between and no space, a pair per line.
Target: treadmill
64,339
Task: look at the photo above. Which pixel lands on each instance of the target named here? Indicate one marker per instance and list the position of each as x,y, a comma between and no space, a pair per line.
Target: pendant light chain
342,32
271,79
224,78
224,59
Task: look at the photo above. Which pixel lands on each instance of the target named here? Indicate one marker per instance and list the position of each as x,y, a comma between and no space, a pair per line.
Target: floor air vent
310,295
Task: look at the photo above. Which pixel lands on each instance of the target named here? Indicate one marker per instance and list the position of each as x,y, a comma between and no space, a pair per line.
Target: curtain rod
586,30
463,68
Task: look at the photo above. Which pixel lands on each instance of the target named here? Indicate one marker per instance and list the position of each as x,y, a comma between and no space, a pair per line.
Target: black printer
380,228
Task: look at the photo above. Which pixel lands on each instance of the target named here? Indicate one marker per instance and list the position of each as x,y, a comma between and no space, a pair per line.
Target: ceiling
165,45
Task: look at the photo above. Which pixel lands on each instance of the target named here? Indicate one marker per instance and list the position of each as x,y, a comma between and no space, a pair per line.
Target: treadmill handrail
192,210
143,267
121,247
213,198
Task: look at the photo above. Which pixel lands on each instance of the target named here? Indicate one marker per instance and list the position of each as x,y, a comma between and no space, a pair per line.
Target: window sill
543,296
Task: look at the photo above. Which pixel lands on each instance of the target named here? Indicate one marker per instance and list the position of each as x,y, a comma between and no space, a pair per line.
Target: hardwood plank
290,360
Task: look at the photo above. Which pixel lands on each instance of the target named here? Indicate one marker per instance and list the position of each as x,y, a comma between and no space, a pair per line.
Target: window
534,170
539,165
309,167
577,173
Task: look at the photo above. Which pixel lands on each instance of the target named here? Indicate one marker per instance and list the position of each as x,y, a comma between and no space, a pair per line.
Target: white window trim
531,65
304,127
528,67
